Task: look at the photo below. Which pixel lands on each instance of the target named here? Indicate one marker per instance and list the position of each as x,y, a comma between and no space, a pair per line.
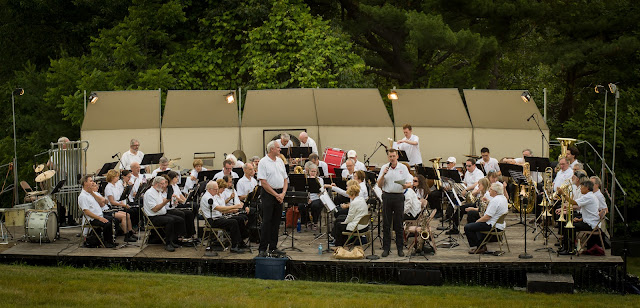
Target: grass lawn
633,265
28,286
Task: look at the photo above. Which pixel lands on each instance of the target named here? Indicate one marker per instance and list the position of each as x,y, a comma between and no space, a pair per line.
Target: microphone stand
208,251
543,137
379,144
119,160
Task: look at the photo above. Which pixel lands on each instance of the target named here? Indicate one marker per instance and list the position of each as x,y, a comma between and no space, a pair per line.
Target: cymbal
240,155
174,159
39,168
45,176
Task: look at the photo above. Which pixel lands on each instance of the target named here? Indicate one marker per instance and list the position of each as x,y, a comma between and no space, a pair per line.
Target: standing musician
389,179
572,156
193,175
306,141
472,176
90,202
285,141
489,163
357,209
350,165
164,166
410,144
588,205
563,174
112,193
212,207
497,207
230,197
132,155
155,207
358,164
178,205
274,180
314,158
227,170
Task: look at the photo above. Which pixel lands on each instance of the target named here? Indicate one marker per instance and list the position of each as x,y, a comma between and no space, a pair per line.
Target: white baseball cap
351,154
451,160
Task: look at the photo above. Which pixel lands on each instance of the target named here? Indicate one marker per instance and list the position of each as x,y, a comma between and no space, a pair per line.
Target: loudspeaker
420,277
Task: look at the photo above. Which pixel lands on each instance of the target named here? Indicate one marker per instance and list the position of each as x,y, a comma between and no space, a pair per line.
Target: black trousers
457,214
577,227
231,225
271,214
341,212
435,200
392,211
242,220
173,226
187,215
315,208
472,230
107,228
339,238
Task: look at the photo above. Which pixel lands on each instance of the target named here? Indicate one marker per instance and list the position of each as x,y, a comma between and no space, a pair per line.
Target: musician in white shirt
489,163
164,166
411,145
358,164
314,158
90,202
274,180
178,204
412,205
472,176
350,169
230,196
285,141
155,207
112,193
247,183
226,170
314,205
193,175
572,156
306,141
357,209
212,208
602,203
497,207
132,155
393,179
588,206
563,175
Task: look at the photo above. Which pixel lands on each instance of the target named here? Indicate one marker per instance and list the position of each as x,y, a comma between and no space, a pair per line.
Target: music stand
161,173
239,171
286,152
338,172
298,182
402,156
106,167
520,178
539,164
58,187
205,176
294,197
300,152
151,159
126,192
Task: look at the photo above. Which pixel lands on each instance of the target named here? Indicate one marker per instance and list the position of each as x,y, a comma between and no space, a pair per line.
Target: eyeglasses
415,181
468,166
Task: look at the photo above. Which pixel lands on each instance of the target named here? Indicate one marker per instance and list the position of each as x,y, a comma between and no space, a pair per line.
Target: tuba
565,143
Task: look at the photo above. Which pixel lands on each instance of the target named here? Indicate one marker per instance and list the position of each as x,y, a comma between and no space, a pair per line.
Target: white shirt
357,209
363,191
413,151
189,183
346,175
151,199
310,143
588,204
491,165
209,210
399,173
128,158
358,166
284,146
227,193
245,185
602,203
562,177
113,190
497,207
220,175
87,202
273,171
471,178
325,168
412,204
575,162
158,170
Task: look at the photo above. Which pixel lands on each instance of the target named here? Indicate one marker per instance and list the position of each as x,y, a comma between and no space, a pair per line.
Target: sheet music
396,146
328,203
378,191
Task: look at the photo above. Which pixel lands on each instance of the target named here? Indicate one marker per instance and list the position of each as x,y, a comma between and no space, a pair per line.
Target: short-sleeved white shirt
471,178
128,158
245,185
413,151
310,143
491,165
114,191
588,204
561,178
209,210
324,166
602,203
151,199
412,204
189,183
357,167
87,202
399,173
497,207
273,171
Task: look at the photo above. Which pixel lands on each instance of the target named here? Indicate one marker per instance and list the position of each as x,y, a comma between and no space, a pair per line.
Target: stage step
549,283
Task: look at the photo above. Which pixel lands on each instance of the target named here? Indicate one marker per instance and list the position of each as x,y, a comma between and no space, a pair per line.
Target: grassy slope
28,286
633,265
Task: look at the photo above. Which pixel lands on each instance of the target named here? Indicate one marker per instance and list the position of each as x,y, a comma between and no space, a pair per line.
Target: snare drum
41,226
44,204
334,158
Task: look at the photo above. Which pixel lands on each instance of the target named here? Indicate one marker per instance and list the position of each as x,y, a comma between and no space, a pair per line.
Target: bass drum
41,226
334,158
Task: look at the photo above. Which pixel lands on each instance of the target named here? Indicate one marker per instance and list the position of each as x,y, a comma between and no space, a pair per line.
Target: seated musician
358,165
497,207
227,169
284,141
212,208
421,188
350,165
126,181
412,205
178,204
90,202
588,206
359,179
314,158
112,195
247,183
235,161
472,176
471,209
488,163
563,174
164,166
136,180
314,207
155,207
230,196
132,155
602,203
193,175
357,209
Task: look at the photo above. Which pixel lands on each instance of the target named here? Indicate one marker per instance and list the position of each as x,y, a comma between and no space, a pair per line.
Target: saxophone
436,166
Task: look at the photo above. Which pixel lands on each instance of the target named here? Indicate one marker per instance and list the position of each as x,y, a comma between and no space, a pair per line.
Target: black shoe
400,253
72,223
237,250
174,245
438,215
169,248
133,236
130,239
242,245
564,253
63,224
109,245
277,252
452,231
385,253
262,254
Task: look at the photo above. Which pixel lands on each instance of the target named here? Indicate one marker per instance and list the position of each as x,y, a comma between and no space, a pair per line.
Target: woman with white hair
497,207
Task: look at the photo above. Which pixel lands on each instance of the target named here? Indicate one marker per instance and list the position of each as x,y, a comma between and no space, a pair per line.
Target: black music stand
286,152
300,152
375,202
520,178
239,171
402,156
58,187
294,197
205,176
126,192
161,173
106,167
515,172
539,164
151,159
338,172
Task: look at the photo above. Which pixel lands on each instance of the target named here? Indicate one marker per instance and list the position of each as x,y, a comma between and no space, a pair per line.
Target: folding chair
30,195
148,227
596,231
220,234
411,227
364,220
499,233
87,225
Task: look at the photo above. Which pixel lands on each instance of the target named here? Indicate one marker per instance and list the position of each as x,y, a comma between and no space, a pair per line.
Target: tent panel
104,143
114,107
283,107
193,108
183,142
430,108
502,109
351,107
509,142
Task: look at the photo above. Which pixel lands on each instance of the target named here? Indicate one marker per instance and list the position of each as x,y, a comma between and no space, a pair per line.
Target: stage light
93,98
18,91
613,88
526,96
230,97
393,95
599,89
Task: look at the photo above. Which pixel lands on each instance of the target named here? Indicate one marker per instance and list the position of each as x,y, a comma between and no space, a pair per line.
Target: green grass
633,265
28,286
